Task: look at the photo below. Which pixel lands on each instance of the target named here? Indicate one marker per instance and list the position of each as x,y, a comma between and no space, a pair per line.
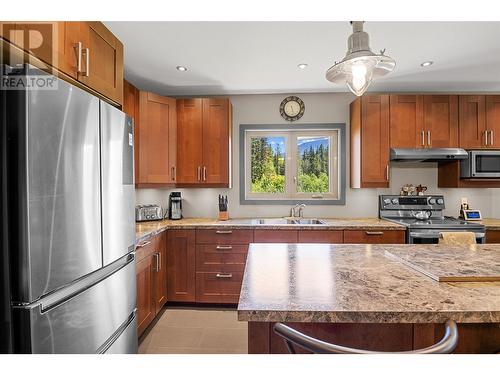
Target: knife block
223,215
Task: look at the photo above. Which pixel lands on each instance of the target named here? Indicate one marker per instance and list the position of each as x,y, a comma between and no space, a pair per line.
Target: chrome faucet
300,207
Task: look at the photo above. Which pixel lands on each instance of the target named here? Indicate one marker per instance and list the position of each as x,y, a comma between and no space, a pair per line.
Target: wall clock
292,108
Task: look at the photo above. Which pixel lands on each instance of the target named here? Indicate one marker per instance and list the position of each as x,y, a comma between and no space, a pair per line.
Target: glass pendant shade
360,65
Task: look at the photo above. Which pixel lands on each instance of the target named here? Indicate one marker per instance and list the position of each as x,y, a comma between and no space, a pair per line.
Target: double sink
296,221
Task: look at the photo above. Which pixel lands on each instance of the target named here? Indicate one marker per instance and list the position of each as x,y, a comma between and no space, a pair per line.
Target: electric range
403,209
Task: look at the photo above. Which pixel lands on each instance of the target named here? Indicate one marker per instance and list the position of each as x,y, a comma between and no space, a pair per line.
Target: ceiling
262,57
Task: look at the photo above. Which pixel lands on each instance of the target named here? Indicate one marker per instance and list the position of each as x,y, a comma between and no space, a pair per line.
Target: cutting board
445,263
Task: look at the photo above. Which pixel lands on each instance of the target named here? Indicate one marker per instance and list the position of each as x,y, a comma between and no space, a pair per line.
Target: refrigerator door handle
64,294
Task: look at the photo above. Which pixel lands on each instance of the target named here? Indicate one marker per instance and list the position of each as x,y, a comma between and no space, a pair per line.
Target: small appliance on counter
147,212
466,213
175,206
223,214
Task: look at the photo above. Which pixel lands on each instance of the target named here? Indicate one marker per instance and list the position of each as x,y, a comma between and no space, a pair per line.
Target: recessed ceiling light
302,66
181,68
427,63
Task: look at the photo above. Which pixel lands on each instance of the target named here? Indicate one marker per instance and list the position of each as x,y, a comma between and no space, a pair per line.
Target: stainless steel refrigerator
68,230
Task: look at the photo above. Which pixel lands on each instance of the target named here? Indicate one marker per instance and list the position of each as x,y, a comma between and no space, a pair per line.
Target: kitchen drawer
224,236
492,236
147,247
374,236
223,258
218,287
321,236
278,236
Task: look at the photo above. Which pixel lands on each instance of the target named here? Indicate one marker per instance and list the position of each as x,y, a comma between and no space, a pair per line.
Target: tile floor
195,331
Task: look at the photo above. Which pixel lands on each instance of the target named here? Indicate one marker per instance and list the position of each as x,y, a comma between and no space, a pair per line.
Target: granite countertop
146,229
493,224
357,284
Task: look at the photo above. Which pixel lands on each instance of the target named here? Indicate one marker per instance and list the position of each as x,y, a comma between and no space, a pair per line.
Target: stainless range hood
428,154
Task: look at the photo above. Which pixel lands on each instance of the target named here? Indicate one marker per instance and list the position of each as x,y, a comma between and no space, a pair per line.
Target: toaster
147,212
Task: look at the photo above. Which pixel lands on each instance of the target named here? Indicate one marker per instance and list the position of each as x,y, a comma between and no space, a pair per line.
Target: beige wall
320,108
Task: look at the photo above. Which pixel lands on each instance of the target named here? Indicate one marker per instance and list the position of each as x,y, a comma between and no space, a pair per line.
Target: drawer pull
224,275
144,244
374,233
223,231
224,247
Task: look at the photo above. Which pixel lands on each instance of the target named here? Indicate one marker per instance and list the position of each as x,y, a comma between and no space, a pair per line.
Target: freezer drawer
118,192
79,321
126,342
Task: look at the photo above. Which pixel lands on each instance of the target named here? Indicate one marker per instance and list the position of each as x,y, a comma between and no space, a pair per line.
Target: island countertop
356,284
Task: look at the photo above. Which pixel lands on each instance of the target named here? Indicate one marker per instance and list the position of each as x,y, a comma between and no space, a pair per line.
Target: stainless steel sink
288,221
273,221
309,221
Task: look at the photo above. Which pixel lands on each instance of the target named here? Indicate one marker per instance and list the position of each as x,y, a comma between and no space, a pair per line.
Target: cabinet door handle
486,137
87,62
144,244
224,275
223,231
224,247
173,173
491,137
157,263
374,233
199,173
204,173
423,138
387,172
429,138
78,48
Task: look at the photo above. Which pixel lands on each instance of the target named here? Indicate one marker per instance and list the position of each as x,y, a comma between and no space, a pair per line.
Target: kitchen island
354,295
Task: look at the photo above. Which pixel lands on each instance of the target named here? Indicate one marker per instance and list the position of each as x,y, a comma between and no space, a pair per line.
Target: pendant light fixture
360,65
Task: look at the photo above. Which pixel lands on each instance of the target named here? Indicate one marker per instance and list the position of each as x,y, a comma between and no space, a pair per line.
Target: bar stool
293,337
457,238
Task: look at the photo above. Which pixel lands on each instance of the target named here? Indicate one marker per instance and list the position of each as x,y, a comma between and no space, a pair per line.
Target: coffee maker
175,206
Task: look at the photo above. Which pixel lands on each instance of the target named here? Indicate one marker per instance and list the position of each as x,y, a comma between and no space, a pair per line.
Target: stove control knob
387,201
440,201
432,201
395,201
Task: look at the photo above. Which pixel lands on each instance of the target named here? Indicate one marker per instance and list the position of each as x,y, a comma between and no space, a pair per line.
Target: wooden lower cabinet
492,236
151,278
145,299
321,236
374,236
276,236
181,265
218,287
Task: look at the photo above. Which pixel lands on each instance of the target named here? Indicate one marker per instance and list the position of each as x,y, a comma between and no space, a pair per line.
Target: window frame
291,133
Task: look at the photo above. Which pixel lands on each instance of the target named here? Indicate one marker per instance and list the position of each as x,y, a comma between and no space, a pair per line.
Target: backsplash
320,108
359,202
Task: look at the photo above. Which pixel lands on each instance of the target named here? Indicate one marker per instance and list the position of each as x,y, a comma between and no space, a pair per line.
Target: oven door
432,237
485,164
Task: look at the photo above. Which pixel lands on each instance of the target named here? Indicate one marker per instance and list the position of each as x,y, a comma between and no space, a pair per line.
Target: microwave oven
481,164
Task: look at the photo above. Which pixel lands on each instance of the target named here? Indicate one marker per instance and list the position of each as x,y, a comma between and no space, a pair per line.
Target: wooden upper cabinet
406,121
216,141
472,121
103,67
370,142
189,140
203,141
441,120
493,120
85,51
155,135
